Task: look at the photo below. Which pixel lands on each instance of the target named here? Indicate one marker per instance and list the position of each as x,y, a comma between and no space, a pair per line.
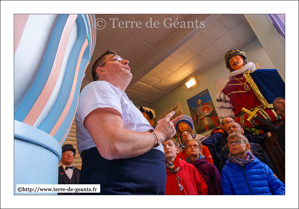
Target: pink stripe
67,131
69,102
51,82
20,22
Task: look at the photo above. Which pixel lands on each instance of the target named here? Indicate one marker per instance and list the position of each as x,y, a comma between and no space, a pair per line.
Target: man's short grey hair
224,119
237,124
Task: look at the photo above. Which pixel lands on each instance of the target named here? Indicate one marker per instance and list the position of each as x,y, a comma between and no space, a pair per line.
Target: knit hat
233,52
68,147
186,119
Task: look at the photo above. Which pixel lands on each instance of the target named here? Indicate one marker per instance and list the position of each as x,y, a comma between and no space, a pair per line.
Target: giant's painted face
151,121
236,62
182,126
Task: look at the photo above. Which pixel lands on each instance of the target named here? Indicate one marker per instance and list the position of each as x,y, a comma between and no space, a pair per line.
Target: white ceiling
162,59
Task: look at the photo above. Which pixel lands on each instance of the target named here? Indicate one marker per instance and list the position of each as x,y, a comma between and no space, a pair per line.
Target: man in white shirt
119,148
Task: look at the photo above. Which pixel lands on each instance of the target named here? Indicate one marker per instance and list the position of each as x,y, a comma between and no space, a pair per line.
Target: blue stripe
66,135
70,115
68,79
44,71
93,34
85,24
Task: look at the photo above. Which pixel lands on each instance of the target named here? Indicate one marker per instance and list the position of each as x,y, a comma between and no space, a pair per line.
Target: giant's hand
165,128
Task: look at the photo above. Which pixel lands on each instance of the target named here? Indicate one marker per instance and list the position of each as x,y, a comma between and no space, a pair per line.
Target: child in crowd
208,171
183,124
244,174
182,177
186,136
255,148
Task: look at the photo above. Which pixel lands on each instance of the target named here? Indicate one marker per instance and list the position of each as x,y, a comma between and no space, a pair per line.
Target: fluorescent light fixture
191,83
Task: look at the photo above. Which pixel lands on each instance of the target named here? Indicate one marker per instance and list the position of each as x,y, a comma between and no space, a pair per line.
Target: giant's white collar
248,66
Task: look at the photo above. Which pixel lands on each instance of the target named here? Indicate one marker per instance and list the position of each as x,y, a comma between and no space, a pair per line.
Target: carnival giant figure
249,94
248,97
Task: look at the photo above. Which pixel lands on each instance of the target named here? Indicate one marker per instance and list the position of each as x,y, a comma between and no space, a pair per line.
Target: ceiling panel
161,59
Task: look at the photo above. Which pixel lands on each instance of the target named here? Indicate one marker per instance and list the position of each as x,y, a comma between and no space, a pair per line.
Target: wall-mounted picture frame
203,112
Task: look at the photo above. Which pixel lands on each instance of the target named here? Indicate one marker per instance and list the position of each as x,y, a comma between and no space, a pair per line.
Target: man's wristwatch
157,141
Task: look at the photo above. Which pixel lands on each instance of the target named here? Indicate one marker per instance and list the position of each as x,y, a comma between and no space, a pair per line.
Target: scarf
181,145
189,160
175,166
242,162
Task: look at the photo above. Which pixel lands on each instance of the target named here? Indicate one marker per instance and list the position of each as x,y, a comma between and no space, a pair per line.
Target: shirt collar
248,66
65,166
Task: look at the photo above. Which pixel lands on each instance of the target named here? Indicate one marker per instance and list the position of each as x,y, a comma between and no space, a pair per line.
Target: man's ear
100,71
242,131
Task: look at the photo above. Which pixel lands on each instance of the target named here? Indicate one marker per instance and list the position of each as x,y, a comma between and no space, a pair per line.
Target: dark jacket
280,133
257,151
254,179
256,138
210,174
218,140
64,179
215,143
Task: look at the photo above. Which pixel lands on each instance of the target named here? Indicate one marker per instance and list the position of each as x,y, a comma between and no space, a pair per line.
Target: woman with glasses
185,137
244,174
207,170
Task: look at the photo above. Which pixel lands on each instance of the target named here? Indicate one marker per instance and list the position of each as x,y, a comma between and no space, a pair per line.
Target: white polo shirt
102,94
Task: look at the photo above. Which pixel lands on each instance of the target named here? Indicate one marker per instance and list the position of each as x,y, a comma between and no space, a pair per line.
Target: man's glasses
115,58
235,142
194,145
68,153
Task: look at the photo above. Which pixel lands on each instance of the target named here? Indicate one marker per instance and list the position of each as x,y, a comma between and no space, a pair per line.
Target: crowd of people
123,150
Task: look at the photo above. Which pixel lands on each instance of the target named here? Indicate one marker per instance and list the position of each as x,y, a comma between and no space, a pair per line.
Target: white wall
206,80
270,39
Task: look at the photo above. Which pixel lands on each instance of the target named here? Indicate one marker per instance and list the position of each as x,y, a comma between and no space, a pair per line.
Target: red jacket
205,152
188,177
